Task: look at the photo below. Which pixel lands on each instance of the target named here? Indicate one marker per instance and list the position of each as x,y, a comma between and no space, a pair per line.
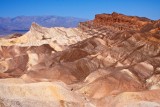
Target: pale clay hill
111,61
58,37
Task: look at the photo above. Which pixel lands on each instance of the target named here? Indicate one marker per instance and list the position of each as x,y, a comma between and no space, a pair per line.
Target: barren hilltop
111,61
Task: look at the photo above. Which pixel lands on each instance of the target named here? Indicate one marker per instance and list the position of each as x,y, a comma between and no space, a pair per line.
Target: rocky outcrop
121,21
58,37
112,67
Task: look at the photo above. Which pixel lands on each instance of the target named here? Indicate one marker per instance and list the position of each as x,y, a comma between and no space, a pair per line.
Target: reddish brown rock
121,21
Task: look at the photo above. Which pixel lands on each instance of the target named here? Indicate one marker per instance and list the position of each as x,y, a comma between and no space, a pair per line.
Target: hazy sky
79,8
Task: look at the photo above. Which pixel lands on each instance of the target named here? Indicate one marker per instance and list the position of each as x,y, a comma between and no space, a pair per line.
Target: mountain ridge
20,23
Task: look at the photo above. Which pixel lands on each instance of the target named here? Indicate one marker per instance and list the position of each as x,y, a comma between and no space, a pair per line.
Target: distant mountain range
22,23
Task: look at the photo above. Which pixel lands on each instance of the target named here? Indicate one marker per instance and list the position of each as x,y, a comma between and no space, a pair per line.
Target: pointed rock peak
36,27
35,24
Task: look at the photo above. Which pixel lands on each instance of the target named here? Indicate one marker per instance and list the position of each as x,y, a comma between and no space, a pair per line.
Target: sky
79,8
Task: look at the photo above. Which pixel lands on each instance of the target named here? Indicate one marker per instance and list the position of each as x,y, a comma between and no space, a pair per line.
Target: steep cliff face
120,21
117,65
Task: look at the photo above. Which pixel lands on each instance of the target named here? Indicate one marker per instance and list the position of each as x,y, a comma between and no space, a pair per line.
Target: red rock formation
121,21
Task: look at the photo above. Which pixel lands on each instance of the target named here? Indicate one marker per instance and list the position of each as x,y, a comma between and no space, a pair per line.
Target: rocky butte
111,61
